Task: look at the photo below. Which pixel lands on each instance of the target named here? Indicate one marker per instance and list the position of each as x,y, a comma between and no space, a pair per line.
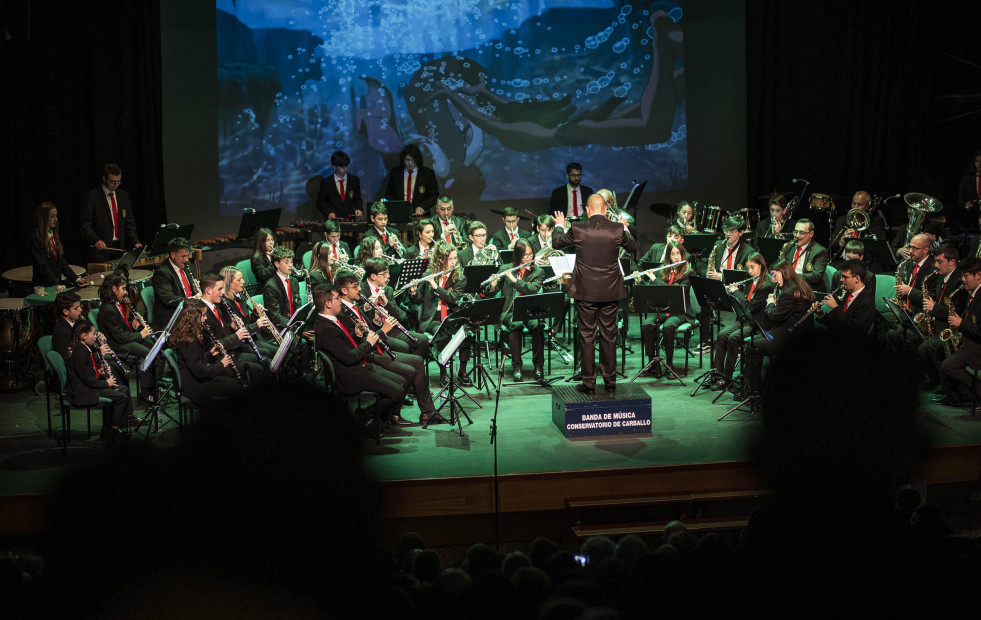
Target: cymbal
665,209
501,213
765,196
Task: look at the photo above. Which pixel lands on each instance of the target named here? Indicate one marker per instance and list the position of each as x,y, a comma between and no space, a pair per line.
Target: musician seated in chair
505,238
340,250
281,292
126,334
855,309
937,304
854,250
730,339
874,225
728,254
659,251
544,225
375,287
425,231
389,237
477,233
777,226
666,325
965,322
526,280
248,315
909,291
90,378
808,258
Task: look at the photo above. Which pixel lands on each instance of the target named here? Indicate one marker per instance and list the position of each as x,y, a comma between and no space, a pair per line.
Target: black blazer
764,229
815,261
536,243
114,327
412,252
262,268
878,229
83,382
906,273
861,312
970,327
530,284
224,330
329,201
940,293
461,229
198,367
743,251
275,300
96,219
757,305
49,270
501,239
425,186
349,359
428,298
168,292
61,337
656,253
784,315
596,276
560,199
390,307
967,190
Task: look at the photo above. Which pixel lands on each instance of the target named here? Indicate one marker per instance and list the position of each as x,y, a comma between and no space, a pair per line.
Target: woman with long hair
439,296
90,377
785,308
321,265
753,296
47,252
425,231
524,281
206,374
242,311
370,247
262,247
666,325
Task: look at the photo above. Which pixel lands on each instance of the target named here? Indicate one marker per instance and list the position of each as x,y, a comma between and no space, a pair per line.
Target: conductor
596,285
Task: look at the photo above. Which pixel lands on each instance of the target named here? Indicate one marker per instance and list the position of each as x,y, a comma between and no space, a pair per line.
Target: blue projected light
499,96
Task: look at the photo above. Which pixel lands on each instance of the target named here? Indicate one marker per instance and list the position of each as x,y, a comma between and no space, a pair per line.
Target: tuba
921,204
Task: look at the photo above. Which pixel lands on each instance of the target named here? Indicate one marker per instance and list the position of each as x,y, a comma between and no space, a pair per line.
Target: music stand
697,243
538,308
399,211
740,385
475,275
879,251
734,275
152,415
659,300
451,324
477,315
165,235
127,261
254,220
506,256
770,248
712,294
445,358
903,316
411,270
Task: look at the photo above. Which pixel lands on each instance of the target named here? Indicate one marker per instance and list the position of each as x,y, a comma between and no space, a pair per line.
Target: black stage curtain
839,94
82,91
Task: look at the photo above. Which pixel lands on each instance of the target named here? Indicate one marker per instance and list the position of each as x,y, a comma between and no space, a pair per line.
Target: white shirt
338,181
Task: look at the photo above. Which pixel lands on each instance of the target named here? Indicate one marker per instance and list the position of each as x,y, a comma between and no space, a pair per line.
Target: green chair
185,406
830,273
146,294
44,345
245,266
306,258
57,363
884,288
93,316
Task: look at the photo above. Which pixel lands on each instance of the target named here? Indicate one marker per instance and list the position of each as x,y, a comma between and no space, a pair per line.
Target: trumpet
454,234
418,281
398,248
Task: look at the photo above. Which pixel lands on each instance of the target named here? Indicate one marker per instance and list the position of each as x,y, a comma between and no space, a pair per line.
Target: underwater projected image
499,95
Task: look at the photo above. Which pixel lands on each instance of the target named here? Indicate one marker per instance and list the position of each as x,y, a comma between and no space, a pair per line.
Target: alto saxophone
925,319
711,261
951,337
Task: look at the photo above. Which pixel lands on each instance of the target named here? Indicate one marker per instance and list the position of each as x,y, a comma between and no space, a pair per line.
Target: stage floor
685,431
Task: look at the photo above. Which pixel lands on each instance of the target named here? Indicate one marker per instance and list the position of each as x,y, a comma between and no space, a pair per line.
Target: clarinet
262,315
195,285
814,309
240,324
224,353
364,327
139,317
384,314
100,340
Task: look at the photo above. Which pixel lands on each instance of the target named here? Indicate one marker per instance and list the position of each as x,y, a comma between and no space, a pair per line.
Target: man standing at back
107,218
570,199
596,285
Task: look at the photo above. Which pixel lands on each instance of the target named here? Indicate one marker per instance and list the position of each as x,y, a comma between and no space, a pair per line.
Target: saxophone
900,299
951,337
711,261
925,319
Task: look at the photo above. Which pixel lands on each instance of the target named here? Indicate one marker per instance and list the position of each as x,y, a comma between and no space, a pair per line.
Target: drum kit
22,319
708,218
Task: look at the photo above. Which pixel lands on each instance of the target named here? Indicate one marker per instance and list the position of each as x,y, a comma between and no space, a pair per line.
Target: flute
224,353
652,271
421,280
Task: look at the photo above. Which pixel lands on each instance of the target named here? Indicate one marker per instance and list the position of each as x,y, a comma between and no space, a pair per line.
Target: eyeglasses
575,176
844,276
479,236
114,182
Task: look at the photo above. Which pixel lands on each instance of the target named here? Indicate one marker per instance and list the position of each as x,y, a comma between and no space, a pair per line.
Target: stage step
642,529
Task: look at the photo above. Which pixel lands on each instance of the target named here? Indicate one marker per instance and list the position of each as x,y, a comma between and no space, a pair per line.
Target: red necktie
125,318
218,316
187,285
848,301
752,289
671,278
95,366
446,235
575,204
729,263
512,235
797,256
384,238
855,235
408,188
521,276
365,321
54,246
442,303
335,252
240,308
115,215
912,281
289,295
349,337
341,181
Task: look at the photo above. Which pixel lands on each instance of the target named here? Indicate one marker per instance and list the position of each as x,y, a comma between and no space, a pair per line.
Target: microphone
804,181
